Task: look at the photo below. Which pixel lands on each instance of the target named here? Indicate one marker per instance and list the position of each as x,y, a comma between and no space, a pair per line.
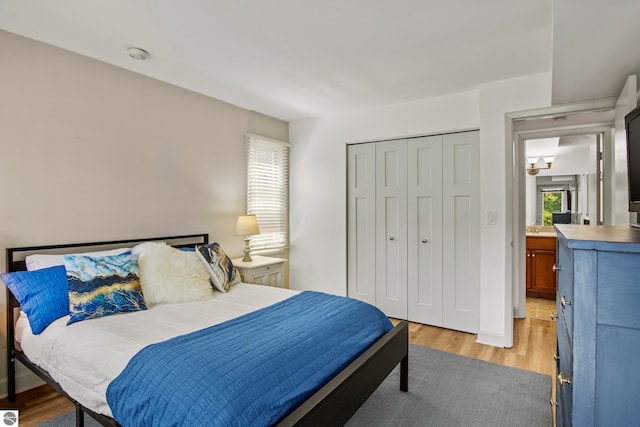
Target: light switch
491,217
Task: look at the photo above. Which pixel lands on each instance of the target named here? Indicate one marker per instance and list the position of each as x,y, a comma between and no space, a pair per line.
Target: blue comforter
249,371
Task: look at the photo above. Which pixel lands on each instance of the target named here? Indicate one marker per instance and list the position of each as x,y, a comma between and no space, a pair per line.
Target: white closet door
461,231
361,199
391,226
424,219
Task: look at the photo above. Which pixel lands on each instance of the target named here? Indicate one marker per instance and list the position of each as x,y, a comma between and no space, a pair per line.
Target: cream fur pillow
169,275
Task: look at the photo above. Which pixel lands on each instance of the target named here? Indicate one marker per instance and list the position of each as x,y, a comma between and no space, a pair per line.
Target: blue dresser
598,329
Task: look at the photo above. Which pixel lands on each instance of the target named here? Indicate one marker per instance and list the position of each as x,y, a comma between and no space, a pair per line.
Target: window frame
263,177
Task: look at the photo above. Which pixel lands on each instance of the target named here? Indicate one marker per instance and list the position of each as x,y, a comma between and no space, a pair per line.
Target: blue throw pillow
102,286
42,294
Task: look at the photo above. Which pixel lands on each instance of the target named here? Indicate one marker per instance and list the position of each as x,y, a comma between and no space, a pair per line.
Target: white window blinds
268,191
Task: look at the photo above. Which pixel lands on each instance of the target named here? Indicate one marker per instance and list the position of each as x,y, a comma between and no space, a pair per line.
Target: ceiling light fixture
533,162
138,53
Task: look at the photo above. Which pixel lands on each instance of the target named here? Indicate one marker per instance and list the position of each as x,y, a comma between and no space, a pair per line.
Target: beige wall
89,151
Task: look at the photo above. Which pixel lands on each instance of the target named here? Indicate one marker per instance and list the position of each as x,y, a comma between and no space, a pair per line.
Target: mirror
564,190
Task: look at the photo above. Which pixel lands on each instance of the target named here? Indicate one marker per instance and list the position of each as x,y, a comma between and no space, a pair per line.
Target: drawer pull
553,402
392,238
554,268
424,240
556,357
562,380
554,316
565,302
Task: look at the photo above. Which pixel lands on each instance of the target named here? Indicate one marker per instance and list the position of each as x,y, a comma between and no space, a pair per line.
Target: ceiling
294,59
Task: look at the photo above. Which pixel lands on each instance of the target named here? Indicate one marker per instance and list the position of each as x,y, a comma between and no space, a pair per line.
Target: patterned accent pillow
102,286
42,294
222,271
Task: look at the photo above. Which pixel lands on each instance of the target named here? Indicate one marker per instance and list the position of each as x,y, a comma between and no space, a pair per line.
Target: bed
333,402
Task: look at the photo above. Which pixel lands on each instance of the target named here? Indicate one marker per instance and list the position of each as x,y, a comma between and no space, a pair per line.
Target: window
268,191
552,202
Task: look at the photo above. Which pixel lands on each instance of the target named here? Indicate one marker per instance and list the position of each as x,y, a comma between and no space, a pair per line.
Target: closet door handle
424,240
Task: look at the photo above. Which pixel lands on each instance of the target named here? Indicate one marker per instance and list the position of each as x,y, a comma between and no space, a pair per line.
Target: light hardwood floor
533,350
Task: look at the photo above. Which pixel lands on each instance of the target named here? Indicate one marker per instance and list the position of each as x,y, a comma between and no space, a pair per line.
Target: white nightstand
261,270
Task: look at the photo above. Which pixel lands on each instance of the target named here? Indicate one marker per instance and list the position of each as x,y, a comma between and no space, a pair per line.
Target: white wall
89,151
318,184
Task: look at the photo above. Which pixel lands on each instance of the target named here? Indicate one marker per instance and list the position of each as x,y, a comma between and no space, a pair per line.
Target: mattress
86,356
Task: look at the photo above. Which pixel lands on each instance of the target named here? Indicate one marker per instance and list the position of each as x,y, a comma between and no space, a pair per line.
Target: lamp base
247,251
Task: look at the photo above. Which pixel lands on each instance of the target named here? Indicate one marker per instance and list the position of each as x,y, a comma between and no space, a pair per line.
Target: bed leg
79,416
404,373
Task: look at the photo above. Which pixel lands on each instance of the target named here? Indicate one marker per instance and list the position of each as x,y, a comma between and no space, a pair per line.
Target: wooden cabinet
262,270
598,329
541,256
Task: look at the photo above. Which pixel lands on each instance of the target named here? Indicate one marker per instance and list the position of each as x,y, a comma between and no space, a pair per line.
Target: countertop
601,237
540,231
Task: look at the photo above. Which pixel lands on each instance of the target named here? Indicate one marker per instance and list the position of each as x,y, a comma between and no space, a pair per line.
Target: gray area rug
445,390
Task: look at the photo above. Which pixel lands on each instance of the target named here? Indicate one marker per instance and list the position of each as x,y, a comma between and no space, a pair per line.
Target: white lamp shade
247,225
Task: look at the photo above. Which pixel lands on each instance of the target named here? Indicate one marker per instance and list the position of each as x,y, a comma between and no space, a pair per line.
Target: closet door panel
391,228
361,194
461,231
424,236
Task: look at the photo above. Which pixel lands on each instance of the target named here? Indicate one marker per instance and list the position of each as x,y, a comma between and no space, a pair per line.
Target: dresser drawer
564,393
565,351
564,297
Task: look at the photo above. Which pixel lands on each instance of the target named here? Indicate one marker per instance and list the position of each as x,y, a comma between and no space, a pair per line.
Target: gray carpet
445,390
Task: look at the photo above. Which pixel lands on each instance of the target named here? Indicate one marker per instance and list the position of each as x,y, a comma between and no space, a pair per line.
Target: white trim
494,339
264,138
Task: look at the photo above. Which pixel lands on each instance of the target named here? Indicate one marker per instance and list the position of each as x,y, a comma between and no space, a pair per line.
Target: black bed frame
333,404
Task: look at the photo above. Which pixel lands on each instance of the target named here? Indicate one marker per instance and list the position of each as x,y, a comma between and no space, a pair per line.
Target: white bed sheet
86,356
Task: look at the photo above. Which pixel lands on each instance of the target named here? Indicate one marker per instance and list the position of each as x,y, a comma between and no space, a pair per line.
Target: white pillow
40,261
169,275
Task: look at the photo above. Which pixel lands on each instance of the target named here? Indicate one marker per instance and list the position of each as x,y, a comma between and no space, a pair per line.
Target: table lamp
246,226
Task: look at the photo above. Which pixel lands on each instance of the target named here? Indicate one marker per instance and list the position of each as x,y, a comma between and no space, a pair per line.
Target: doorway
589,118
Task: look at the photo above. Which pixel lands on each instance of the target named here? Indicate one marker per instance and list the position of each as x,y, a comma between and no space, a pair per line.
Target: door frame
516,198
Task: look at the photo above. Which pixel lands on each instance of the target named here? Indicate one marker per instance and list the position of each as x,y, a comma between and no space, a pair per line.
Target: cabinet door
424,219
361,208
269,278
529,270
543,277
461,231
391,228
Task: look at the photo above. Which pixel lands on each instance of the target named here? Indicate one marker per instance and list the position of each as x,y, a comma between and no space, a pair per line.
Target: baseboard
491,338
24,381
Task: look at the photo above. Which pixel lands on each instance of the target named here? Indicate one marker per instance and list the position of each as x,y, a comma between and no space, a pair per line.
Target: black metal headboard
16,262
15,256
